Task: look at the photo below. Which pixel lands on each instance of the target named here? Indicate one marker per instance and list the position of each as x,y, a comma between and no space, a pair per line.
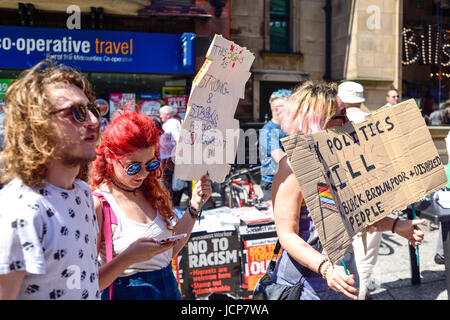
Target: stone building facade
332,40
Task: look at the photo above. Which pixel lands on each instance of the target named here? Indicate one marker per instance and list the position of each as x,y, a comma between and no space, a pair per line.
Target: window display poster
150,103
104,107
257,254
173,91
177,272
210,263
4,85
117,101
179,103
150,107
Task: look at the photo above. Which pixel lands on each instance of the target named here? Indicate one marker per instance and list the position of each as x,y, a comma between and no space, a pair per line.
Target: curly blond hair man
48,230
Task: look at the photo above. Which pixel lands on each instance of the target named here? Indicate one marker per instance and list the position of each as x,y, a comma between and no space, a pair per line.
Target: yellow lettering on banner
114,47
108,48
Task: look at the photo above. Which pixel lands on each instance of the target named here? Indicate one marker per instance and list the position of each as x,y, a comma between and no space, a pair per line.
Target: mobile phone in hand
174,237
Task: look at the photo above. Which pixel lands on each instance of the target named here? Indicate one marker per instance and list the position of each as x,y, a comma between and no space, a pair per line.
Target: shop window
426,58
279,26
266,89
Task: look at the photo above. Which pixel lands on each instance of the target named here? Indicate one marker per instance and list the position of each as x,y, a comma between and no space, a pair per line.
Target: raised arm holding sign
209,135
336,182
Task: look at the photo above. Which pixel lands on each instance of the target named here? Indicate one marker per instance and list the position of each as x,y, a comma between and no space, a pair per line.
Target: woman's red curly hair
127,133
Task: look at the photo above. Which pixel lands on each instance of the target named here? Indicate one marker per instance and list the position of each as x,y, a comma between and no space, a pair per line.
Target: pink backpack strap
108,218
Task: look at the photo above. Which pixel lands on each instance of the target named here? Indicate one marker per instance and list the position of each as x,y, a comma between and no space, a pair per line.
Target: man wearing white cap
352,95
170,125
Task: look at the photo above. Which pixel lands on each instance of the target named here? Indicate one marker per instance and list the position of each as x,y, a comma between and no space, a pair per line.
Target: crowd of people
53,228
312,107
89,216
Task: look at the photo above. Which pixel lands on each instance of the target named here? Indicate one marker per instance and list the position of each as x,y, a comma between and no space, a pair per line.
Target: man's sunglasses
79,111
135,168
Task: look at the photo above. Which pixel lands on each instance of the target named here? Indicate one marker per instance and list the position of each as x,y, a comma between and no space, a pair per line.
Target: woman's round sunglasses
79,111
135,168
342,116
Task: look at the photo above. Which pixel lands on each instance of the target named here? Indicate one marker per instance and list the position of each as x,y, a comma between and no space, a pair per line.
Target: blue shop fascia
149,69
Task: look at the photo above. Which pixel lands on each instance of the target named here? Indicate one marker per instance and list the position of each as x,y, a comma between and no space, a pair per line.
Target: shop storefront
127,69
426,58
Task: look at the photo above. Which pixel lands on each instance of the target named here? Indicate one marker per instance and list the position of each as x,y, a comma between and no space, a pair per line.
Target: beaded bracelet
321,265
393,226
193,212
325,271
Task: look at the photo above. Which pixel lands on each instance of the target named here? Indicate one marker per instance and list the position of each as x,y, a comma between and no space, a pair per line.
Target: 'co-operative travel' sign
92,50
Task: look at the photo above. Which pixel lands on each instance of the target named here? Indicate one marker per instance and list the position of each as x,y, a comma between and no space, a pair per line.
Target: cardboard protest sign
209,134
354,175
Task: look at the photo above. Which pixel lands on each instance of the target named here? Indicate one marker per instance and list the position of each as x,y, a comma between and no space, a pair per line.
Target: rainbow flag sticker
325,197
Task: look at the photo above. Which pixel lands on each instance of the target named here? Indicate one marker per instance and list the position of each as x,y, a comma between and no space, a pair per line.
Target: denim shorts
152,285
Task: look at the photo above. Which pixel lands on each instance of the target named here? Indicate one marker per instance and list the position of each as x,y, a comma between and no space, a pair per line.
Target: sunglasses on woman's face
341,116
79,111
135,168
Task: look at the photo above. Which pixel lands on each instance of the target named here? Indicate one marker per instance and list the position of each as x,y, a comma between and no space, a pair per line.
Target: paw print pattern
34,206
64,231
85,294
67,273
71,213
18,223
32,288
50,213
44,192
28,246
16,265
44,232
55,294
66,239
59,254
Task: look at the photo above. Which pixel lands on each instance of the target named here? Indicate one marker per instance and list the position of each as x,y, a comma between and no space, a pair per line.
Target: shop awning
122,7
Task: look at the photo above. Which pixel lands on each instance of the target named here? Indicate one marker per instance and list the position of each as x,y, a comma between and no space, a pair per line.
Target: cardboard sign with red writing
209,134
357,174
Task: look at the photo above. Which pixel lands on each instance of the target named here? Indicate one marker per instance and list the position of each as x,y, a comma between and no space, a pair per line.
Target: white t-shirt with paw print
51,233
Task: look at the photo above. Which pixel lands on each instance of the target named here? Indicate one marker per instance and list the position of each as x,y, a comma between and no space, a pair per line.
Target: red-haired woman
125,178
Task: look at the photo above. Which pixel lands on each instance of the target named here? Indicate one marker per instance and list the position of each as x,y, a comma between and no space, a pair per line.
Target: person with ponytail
135,212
